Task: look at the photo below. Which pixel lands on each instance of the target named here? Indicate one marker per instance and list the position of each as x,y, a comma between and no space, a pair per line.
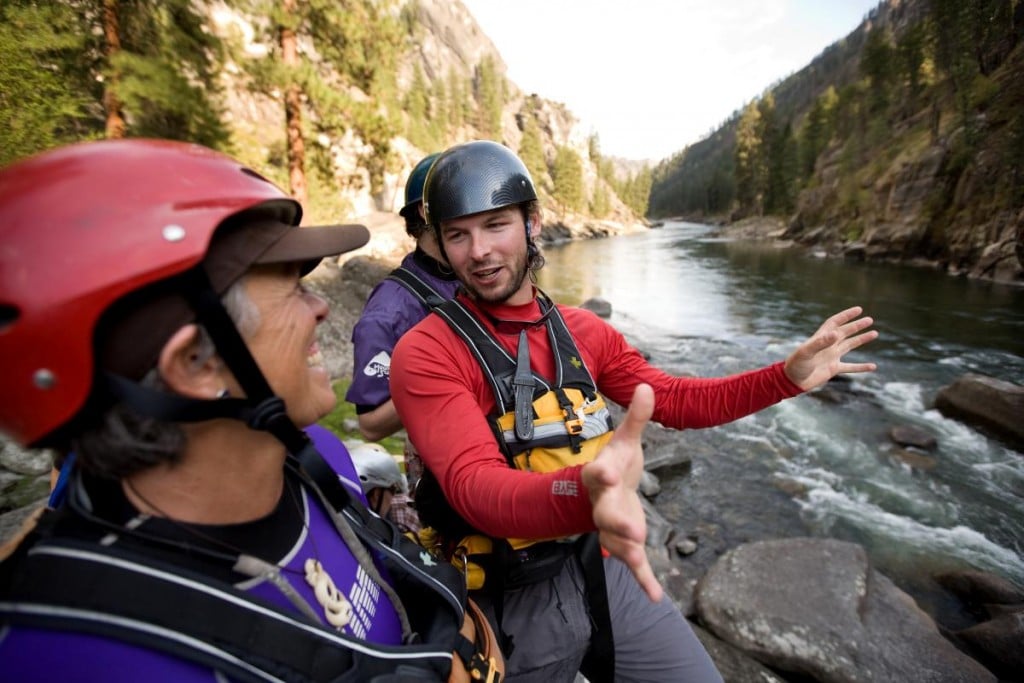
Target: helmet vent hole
254,174
8,314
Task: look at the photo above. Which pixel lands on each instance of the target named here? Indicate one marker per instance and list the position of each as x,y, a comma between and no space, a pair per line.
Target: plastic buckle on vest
573,425
573,419
485,670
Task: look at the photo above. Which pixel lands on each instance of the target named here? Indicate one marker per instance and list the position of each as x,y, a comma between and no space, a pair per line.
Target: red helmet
84,225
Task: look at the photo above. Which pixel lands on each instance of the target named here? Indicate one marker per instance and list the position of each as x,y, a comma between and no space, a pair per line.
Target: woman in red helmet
154,321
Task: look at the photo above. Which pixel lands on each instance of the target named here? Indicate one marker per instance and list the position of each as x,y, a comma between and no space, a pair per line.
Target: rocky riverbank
795,609
1002,261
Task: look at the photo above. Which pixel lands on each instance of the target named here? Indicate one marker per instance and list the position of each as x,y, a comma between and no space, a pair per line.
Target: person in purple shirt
153,321
391,310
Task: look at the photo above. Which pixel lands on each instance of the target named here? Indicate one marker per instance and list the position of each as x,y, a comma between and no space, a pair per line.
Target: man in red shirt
480,200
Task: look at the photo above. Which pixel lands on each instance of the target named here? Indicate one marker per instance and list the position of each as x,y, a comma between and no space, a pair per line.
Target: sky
653,76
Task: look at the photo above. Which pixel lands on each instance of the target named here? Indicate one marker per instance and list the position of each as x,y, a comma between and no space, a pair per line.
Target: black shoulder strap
498,365
427,295
570,370
79,586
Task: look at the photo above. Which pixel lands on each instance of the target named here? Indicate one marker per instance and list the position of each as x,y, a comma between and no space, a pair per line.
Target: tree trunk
293,112
111,102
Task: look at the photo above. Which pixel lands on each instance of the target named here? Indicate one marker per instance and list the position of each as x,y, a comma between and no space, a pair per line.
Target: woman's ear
186,369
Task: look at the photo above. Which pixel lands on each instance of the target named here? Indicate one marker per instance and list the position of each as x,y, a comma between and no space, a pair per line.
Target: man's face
488,253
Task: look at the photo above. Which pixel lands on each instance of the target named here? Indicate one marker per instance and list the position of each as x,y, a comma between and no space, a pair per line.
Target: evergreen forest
330,71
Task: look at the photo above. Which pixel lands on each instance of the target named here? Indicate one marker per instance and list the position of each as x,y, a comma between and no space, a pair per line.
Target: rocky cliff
444,42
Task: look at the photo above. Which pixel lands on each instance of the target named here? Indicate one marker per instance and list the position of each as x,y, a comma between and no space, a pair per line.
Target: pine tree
160,71
567,177
490,96
531,150
877,65
783,168
417,106
817,131
639,196
952,22
911,52
363,40
46,94
353,87
749,189
594,148
600,204
458,101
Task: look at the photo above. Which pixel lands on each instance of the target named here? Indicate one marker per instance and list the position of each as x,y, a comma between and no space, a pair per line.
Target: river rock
908,435
817,608
732,663
659,530
598,306
978,588
990,404
915,461
345,288
649,484
30,462
665,448
999,644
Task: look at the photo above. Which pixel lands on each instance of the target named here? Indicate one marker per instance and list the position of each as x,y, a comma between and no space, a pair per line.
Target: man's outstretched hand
612,480
820,358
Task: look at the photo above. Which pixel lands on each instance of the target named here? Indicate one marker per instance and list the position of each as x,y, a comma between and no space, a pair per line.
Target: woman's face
284,343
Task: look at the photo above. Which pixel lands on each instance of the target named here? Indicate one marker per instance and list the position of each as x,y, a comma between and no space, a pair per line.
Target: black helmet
414,186
474,177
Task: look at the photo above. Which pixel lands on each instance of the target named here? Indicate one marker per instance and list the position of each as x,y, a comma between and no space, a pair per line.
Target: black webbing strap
427,295
599,663
523,386
494,585
498,365
71,586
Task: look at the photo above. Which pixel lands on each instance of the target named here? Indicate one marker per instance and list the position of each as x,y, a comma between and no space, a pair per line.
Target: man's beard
501,296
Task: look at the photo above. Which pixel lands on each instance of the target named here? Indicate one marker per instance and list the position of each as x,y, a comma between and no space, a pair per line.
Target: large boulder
817,608
998,642
993,405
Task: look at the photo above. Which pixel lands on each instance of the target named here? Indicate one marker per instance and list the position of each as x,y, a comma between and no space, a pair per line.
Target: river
706,306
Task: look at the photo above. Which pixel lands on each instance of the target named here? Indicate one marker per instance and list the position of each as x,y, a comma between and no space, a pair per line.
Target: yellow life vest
540,426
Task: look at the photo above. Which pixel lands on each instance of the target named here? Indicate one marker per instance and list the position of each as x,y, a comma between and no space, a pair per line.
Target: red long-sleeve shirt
443,399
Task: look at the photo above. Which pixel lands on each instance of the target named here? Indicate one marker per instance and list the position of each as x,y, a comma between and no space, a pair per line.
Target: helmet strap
267,410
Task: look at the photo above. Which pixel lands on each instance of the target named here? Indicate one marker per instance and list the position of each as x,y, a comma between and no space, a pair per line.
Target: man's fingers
843,317
640,566
639,414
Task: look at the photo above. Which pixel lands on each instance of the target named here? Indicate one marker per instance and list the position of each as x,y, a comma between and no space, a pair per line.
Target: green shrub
345,411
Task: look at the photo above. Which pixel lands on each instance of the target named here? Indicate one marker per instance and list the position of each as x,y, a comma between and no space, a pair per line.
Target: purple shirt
30,654
390,311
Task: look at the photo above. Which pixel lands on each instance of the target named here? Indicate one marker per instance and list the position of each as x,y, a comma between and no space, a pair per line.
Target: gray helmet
473,177
377,468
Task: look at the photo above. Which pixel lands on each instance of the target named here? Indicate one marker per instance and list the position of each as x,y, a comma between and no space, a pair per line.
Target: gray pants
550,624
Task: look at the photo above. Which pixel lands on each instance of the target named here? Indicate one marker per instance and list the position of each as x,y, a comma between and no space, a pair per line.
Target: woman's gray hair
124,442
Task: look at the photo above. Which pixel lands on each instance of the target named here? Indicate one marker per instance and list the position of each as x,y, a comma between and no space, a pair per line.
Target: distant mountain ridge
901,142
